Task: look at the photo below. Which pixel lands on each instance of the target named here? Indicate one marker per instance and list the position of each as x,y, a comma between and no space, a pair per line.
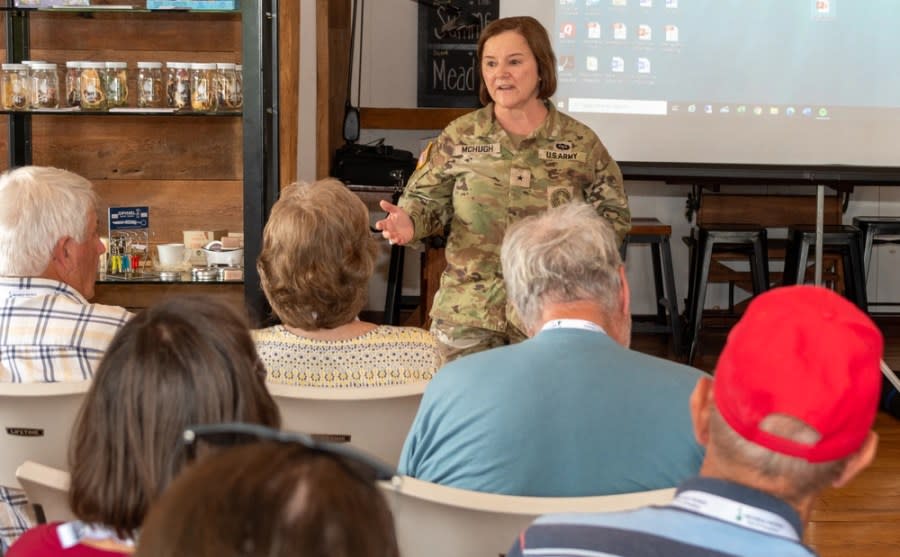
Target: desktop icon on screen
773,111
619,2
741,109
807,111
617,64
708,108
823,112
645,33
671,3
790,111
567,31
592,63
566,62
643,65
692,108
594,30
823,7
620,31
757,110
646,3
672,33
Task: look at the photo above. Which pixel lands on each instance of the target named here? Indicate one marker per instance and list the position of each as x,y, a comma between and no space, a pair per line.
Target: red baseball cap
805,352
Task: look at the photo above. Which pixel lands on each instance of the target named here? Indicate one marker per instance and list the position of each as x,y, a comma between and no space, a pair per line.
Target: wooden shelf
409,118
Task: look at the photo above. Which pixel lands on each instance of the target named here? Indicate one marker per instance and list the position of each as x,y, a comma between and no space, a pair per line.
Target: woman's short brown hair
539,43
317,255
280,500
188,360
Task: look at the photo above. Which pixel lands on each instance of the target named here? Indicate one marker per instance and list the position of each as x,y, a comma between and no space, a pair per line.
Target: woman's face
509,70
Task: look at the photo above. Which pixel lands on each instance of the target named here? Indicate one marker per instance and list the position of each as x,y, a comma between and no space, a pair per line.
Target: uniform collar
486,125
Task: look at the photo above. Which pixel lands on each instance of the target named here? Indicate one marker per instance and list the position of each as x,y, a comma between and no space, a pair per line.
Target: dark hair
273,500
318,255
184,361
539,43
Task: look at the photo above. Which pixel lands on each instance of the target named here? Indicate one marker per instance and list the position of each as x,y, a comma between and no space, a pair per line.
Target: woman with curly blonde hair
317,258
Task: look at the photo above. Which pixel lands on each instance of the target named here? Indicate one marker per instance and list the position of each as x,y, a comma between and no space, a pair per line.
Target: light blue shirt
567,413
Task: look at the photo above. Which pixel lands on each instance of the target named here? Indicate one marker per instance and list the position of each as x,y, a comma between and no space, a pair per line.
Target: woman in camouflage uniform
515,157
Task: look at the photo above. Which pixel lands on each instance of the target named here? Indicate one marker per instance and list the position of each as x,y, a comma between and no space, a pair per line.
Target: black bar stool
842,239
657,234
745,239
872,228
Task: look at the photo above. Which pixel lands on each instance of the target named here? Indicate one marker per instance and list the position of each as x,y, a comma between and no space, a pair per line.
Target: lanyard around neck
572,324
72,533
735,512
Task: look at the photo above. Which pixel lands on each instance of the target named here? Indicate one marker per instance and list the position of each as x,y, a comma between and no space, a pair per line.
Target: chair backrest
439,521
36,423
768,211
374,419
47,490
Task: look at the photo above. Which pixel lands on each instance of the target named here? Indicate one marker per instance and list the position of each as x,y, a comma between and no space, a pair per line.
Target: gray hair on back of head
38,206
565,254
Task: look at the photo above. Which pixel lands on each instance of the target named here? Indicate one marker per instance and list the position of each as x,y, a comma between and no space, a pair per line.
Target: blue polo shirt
708,517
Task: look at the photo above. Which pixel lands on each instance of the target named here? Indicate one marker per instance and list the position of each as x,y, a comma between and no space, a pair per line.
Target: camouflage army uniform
476,180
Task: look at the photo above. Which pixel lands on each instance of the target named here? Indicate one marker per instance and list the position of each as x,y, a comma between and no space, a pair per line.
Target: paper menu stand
129,238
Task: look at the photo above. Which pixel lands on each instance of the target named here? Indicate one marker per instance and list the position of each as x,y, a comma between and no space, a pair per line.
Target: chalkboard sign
449,75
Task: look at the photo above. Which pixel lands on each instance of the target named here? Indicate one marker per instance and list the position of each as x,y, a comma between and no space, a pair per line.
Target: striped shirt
48,333
708,518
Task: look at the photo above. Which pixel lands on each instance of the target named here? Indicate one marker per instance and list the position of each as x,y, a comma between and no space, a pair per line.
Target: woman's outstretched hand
396,227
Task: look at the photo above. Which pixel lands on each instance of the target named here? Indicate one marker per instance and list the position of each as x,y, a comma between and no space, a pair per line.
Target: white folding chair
439,521
47,490
373,419
36,423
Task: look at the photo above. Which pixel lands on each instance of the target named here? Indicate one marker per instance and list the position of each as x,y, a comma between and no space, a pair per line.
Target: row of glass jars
199,87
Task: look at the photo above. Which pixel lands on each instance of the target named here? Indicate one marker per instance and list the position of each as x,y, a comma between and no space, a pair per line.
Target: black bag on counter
374,165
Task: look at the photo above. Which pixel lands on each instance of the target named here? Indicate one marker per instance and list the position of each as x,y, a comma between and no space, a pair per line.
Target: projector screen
748,82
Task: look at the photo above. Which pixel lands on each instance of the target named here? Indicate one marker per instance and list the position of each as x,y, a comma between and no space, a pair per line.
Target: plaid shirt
48,333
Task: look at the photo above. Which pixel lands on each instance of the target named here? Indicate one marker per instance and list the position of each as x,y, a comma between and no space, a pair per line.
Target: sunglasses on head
365,467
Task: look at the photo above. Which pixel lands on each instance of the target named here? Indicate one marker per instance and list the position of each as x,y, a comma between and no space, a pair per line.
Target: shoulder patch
424,155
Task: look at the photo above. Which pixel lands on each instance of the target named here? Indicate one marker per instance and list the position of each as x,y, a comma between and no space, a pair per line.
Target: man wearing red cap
788,413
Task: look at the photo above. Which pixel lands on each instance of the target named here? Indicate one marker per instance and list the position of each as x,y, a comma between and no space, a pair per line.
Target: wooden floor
863,518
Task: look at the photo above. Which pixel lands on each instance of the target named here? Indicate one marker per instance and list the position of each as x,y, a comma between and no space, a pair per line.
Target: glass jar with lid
14,87
239,85
44,86
93,92
149,85
203,98
226,87
116,81
73,83
178,85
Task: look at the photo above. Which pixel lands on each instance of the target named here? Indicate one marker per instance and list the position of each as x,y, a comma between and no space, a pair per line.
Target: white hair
566,254
801,478
38,206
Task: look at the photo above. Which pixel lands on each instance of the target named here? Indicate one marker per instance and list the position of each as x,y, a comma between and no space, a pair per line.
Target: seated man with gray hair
571,411
49,253
788,414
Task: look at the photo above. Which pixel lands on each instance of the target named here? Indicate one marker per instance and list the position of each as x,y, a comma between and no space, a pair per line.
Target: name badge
559,155
482,149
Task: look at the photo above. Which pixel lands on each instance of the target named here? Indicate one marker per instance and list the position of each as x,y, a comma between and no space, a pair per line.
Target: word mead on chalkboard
448,39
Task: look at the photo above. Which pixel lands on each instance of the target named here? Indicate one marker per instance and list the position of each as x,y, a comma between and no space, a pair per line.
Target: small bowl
217,255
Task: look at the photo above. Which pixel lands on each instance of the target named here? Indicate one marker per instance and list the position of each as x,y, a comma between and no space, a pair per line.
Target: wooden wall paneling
139,296
409,118
177,205
193,34
333,43
288,90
